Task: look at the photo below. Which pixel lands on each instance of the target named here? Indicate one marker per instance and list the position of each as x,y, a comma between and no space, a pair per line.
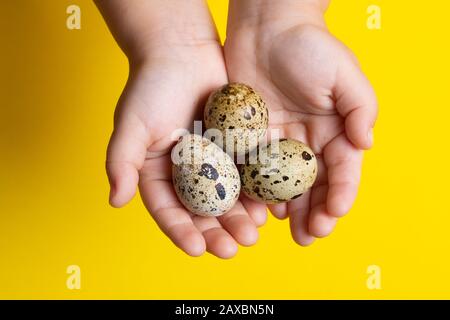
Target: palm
297,72
161,97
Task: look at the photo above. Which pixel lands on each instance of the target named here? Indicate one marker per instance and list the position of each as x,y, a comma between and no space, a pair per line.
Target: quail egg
205,178
241,116
282,171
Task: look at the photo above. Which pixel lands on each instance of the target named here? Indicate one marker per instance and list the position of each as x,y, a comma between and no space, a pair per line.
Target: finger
257,211
125,156
344,170
218,241
356,101
172,218
321,223
238,223
279,210
322,173
298,218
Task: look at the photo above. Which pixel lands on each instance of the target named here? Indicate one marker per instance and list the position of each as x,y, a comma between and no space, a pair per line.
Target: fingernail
370,136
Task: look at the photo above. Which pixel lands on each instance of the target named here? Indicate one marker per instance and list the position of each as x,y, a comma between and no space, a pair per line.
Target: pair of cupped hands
313,86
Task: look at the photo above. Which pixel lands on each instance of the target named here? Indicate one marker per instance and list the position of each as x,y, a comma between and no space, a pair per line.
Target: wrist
144,27
271,16
180,22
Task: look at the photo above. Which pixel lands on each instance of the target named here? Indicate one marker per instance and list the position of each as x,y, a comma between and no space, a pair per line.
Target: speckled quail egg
205,178
282,171
241,116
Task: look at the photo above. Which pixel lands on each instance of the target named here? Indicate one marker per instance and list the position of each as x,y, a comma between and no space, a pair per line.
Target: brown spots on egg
209,172
220,191
306,156
254,173
244,109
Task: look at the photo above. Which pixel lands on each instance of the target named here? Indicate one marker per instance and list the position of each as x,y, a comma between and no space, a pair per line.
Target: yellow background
58,90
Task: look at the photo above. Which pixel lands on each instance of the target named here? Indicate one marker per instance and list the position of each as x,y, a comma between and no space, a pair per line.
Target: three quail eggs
206,179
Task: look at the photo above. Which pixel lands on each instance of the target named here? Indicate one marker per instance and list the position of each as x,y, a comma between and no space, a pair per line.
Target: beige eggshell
279,174
205,178
240,114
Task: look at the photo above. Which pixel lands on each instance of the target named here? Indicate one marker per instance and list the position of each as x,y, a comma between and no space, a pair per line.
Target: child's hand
315,92
171,74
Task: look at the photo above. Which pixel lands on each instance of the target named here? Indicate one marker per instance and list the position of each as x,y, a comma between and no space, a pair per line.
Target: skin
176,60
315,92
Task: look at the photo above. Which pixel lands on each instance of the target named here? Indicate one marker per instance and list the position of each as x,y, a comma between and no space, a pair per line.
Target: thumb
125,157
356,101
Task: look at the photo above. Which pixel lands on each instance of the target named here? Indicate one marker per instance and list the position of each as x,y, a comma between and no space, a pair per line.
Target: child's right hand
168,84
